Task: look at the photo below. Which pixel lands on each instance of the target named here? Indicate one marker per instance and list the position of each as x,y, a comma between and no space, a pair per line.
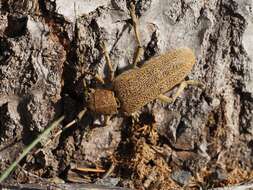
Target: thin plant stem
45,133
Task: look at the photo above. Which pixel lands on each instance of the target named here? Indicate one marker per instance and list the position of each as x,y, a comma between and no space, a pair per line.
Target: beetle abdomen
137,87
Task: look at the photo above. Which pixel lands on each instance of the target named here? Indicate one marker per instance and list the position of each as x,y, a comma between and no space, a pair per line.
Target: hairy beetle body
137,87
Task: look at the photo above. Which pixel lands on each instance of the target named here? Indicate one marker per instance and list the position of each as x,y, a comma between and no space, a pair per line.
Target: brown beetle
138,86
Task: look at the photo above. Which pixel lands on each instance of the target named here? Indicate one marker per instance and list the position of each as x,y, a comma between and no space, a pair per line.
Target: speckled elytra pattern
137,87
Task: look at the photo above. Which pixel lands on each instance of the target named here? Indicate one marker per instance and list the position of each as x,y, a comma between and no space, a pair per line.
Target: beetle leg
139,50
166,99
106,120
183,85
181,88
108,61
97,77
70,124
135,117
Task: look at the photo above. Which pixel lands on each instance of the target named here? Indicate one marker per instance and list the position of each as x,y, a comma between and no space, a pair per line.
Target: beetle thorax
102,101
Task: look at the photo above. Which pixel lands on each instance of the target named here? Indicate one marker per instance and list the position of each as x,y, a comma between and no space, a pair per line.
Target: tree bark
205,136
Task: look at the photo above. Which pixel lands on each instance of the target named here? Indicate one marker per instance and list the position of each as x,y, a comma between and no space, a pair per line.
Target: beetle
136,87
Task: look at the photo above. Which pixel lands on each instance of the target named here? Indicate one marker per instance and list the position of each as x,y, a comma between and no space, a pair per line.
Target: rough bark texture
205,138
